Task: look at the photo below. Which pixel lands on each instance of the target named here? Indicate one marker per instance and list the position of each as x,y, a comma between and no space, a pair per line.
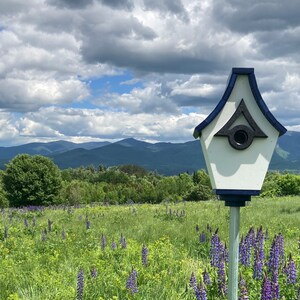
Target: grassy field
43,252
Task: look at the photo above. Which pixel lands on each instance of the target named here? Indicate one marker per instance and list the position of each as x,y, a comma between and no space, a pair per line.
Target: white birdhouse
238,139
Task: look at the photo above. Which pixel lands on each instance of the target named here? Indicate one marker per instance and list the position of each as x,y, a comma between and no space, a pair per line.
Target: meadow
139,251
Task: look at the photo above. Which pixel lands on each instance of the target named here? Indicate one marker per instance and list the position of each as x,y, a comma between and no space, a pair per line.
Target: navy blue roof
257,96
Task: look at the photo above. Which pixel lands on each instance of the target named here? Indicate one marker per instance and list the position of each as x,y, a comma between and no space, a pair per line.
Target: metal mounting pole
234,232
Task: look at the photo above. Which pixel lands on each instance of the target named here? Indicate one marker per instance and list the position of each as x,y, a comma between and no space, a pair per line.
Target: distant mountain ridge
165,158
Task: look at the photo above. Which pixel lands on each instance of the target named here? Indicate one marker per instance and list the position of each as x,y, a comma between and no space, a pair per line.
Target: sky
105,70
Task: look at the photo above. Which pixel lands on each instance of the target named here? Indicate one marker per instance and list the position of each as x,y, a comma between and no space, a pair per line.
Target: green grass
34,269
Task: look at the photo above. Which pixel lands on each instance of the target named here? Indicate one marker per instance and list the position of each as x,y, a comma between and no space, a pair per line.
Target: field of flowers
166,251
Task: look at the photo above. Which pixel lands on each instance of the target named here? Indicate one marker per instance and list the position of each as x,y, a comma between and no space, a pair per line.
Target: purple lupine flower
243,290
80,285
266,293
103,241
290,271
87,224
259,244
145,252
258,266
280,242
274,256
193,281
206,278
113,245
131,283
200,292
222,287
245,250
123,242
26,223
44,237
94,272
214,249
275,289
202,237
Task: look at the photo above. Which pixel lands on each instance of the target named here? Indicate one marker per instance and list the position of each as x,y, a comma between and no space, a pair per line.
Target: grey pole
234,232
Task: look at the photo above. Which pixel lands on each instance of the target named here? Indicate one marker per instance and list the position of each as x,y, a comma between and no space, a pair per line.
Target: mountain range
164,158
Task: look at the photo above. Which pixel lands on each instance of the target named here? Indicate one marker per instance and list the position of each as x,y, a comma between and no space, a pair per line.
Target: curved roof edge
257,96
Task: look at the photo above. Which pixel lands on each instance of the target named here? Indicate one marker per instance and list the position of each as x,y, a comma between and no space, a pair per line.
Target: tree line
36,180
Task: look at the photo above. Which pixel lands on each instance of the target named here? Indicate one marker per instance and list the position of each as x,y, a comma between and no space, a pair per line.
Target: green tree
31,180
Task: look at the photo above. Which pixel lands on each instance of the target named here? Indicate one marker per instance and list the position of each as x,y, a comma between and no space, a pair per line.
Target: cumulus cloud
179,53
58,123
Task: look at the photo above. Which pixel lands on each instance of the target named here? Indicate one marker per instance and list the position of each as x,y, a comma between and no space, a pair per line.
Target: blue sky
95,70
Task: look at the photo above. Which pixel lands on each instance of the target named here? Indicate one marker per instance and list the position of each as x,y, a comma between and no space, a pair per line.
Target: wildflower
202,237
274,256
145,252
44,232
266,293
80,285
221,277
26,223
123,242
131,283
193,281
214,249
258,266
103,241
290,271
88,224
94,272
200,292
113,245
275,289
206,278
243,290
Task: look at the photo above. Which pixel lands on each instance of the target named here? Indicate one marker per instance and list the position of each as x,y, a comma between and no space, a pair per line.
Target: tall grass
40,264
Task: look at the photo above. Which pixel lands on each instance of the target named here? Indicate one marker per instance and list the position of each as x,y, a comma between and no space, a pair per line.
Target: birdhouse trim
238,139
257,96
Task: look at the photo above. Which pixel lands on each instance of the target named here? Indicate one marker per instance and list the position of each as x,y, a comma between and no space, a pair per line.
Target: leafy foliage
31,180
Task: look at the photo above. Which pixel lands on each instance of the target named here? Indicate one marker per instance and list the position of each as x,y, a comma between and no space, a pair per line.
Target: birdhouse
238,139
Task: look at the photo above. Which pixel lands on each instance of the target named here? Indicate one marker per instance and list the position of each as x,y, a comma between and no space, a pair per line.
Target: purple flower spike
26,223
200,292
123,242
114,245
103,241
243,290
222,287
266,293
202,237
87,224
94,272
193,281
80,285
291,271
206,278
131,283
145,252
275,288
